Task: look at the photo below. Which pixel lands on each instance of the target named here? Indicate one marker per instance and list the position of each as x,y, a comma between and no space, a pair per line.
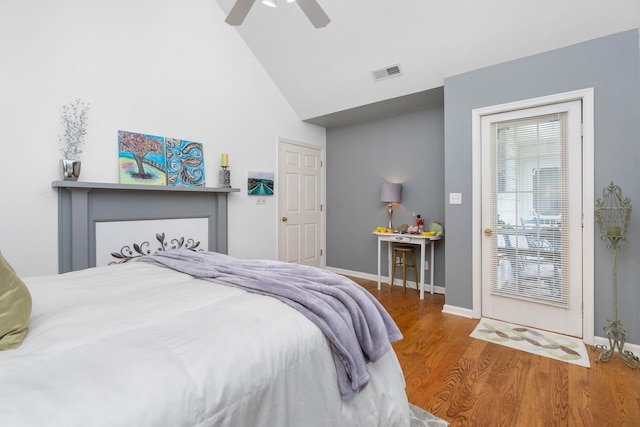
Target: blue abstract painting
185,163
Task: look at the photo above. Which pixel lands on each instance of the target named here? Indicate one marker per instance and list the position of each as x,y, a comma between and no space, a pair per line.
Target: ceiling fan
311,8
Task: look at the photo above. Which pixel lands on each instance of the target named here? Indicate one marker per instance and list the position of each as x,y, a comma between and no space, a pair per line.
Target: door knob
284,219
488,232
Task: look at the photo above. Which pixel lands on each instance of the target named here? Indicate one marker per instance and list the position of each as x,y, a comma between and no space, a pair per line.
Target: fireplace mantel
82,204
80,185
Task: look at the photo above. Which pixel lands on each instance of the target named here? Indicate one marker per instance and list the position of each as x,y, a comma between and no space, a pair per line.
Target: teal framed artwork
260,184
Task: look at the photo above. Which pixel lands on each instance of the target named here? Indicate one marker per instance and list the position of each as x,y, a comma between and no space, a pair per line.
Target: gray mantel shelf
81,205
111,186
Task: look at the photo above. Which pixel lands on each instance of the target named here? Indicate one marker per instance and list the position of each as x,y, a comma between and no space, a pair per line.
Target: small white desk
411,239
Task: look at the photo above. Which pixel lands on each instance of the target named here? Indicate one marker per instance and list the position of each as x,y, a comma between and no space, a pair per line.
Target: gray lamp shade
391,193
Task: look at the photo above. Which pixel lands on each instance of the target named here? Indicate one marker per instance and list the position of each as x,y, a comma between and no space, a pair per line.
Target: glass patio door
532,217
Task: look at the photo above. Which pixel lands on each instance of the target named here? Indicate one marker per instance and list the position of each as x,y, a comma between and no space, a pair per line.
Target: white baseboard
457,311
397,282
351,273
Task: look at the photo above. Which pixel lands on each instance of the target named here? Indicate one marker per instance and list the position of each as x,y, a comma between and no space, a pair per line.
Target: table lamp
390,193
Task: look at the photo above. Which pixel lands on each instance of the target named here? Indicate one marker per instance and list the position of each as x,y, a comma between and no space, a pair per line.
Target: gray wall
406,148
611,65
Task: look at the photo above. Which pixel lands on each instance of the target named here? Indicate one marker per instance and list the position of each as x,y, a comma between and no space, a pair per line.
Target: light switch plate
455,198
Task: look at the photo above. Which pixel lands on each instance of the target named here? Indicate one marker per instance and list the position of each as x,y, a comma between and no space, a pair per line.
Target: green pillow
15,307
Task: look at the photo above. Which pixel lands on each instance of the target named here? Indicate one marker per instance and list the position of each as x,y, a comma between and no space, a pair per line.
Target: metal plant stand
613,214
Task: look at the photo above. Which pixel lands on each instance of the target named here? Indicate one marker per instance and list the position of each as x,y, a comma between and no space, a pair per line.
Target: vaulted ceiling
326,74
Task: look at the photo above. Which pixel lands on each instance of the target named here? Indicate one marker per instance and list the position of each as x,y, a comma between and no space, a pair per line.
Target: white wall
164,67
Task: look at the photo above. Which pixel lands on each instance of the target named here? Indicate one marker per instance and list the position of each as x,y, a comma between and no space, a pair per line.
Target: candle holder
224,177
613,214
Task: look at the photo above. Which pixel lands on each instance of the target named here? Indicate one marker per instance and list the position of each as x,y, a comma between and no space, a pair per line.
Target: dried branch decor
74,120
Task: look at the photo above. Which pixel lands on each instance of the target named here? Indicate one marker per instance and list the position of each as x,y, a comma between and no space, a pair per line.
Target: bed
137,344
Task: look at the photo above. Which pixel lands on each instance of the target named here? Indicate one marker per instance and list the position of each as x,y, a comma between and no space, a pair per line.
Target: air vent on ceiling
387,72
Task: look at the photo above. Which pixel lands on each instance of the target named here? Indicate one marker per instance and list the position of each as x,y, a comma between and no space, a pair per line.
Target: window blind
530,198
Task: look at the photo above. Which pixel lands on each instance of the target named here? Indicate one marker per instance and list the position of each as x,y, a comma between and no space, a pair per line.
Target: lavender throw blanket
357,326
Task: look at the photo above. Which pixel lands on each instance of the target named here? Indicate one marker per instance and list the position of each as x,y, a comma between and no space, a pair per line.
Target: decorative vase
70,169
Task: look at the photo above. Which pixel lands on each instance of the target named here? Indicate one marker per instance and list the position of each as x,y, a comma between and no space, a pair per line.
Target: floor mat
548,344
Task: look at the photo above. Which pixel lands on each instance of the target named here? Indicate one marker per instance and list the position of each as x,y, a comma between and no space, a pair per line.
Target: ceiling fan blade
314,12
239,11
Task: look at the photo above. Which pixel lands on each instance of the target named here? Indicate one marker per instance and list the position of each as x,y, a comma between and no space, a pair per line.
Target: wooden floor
470,382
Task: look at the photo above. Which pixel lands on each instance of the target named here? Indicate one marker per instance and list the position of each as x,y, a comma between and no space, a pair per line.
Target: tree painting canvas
185,163
141,158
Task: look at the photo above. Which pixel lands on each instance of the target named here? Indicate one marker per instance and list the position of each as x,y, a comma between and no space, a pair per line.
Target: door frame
281,195
588,200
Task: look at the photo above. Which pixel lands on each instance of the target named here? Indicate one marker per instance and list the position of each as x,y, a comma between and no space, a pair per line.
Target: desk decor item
74,121
382,230
436,228
613,213
390,193
224,175
419,222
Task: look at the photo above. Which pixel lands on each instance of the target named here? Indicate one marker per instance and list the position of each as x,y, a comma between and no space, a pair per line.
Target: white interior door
300,204
532,217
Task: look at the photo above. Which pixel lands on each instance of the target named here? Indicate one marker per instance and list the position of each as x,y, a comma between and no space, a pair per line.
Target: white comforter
140,345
